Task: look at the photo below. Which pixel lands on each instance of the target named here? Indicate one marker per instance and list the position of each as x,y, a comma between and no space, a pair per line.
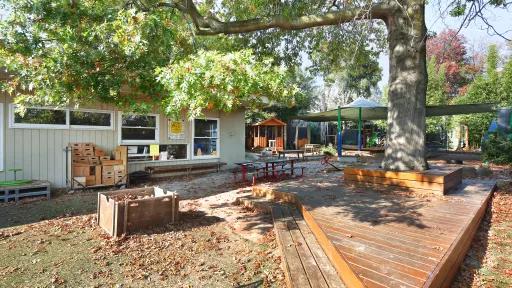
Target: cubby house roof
270,122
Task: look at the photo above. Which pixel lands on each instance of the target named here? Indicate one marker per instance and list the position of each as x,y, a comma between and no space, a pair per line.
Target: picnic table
284,152
269,167
245,166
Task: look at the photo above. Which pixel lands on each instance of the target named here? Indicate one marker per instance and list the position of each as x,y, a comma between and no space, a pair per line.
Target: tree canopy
493,86
80,52
138,55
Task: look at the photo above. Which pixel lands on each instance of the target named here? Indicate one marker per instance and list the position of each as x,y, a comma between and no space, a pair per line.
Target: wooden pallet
435,181
36,188
304,261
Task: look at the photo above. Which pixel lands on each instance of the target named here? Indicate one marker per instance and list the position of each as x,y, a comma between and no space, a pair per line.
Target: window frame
134,142
67,126
2,119
13,124
193,139
89,127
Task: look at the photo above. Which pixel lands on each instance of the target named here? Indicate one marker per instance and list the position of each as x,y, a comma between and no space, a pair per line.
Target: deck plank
311,268
328,271
295,273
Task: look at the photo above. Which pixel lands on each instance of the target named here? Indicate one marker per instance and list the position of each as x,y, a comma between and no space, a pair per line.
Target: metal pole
339,134
359,124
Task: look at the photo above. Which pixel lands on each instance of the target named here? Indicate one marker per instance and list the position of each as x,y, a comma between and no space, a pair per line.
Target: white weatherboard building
35,142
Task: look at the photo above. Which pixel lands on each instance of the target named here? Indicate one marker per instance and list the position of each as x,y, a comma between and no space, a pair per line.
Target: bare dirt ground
56,243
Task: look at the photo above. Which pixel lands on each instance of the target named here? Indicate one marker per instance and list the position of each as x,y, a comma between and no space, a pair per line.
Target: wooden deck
305,263
376,239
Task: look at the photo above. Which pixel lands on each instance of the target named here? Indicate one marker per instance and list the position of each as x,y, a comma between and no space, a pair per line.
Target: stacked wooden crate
91,166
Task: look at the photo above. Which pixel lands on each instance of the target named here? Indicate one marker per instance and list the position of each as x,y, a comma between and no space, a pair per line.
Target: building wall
41,155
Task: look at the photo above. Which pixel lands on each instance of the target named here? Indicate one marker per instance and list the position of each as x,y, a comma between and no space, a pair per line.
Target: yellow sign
154,150
176,129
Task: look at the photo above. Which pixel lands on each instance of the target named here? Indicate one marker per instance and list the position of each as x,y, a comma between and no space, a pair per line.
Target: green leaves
224,81
84,52
493,87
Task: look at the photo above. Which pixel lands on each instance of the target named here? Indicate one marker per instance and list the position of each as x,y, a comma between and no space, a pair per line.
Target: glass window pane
90,118
41,116
175,151
205,146
138,133
138,120
205,128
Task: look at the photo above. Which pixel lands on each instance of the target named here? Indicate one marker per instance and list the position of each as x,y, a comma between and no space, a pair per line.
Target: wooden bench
284,152
262,172
154,170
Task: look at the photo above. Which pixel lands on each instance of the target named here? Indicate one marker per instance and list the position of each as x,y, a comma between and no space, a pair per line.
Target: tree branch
210,25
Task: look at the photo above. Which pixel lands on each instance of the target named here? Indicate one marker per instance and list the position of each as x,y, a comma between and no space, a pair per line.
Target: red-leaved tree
449,49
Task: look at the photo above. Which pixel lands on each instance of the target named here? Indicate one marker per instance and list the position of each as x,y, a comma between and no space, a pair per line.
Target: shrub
329,150
497,150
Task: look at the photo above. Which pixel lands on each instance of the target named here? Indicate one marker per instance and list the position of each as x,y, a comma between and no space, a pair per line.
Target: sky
476,33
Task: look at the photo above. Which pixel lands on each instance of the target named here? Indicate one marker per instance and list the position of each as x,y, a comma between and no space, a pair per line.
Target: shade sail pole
339,143
359,124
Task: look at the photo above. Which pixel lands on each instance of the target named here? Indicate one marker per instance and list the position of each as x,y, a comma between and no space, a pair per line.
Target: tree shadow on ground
21,213
255,284
189,219
358,203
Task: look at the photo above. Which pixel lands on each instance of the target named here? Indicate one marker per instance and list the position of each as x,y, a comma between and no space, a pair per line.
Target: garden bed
130,210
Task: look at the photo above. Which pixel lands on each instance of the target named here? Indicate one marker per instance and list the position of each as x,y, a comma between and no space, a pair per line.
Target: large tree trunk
405,139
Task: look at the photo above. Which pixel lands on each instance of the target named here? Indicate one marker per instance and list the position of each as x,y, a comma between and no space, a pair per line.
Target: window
135,128
206,138
1,136
168,152
91,119
39,117
60,118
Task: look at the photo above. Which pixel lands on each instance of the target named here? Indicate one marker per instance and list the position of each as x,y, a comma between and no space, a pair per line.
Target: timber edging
447,268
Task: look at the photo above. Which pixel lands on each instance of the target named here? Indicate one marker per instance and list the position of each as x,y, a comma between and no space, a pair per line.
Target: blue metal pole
339,139
359,124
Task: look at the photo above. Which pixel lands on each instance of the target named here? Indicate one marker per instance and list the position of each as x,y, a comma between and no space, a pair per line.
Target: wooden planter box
126,211
433,181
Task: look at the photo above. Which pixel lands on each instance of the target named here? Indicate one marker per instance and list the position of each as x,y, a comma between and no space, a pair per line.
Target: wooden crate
87,155
433,181
123,217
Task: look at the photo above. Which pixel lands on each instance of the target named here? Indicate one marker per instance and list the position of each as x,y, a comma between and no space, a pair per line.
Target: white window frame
87,127
2,119
128,142
193,138
12,124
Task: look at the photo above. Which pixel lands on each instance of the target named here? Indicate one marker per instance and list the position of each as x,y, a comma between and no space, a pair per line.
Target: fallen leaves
488,262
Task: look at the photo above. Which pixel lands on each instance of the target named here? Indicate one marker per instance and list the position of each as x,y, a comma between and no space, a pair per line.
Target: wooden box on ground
130,210
434,181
